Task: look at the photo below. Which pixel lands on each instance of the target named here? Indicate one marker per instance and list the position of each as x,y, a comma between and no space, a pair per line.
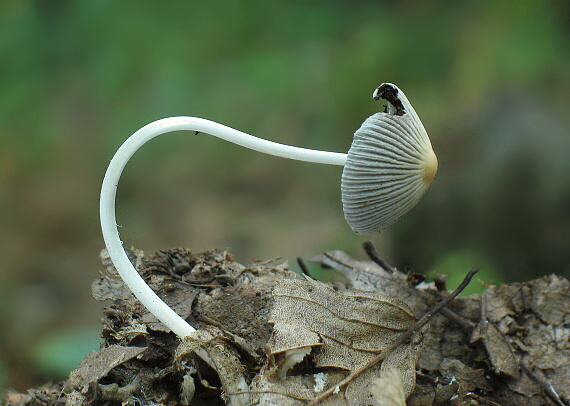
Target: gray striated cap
390,165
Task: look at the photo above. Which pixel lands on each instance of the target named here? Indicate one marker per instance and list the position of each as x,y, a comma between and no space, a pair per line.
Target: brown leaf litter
273,337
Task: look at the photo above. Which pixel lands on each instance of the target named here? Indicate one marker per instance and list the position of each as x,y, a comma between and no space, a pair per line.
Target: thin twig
545,384
338,260
440,283
375,256
415,278
263,392
457,319
303,266
403,338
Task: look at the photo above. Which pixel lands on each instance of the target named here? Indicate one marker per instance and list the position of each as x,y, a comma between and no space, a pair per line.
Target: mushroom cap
390,165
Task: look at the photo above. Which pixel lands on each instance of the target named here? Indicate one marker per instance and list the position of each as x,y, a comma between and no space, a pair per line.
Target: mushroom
388,168
390,165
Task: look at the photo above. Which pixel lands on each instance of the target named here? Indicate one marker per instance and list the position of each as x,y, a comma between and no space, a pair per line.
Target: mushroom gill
390,165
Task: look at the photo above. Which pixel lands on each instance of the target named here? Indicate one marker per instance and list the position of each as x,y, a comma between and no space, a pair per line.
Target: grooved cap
390,165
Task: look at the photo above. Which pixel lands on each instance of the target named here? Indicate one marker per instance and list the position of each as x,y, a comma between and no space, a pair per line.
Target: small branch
374,256
303,266
402,339
338,260
440,283
454,317
415,278
457,319
545,384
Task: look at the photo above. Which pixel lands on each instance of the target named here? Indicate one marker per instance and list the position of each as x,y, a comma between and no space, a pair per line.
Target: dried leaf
135,256
551,300
388,388
179,296
218,352
98,364
369,276
295,389
292,337
404,358
469,379
292,344
444,393
108,288
548,347
353,326
501,353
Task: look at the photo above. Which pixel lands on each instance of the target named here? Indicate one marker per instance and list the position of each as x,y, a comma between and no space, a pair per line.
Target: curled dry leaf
98,364
469,379
221,355
291,345
349,328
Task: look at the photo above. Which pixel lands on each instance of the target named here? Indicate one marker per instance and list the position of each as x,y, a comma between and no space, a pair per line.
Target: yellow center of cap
429,166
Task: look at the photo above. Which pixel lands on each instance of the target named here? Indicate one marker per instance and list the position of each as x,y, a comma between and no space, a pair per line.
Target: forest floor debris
276,337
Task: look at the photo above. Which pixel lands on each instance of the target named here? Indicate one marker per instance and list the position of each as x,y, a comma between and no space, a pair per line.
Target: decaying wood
277,337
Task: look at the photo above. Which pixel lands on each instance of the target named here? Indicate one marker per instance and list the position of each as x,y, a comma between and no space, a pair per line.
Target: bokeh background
490,80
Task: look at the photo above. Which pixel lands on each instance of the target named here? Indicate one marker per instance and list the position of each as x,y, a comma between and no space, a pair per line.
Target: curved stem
109,191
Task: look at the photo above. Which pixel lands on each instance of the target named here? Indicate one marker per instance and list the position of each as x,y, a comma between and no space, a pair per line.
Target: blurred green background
490,80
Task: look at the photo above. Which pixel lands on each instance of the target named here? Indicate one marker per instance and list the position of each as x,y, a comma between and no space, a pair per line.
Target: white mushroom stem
109,190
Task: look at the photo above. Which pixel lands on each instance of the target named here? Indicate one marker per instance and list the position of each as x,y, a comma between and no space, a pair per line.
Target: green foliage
2,376
56,355
455,265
